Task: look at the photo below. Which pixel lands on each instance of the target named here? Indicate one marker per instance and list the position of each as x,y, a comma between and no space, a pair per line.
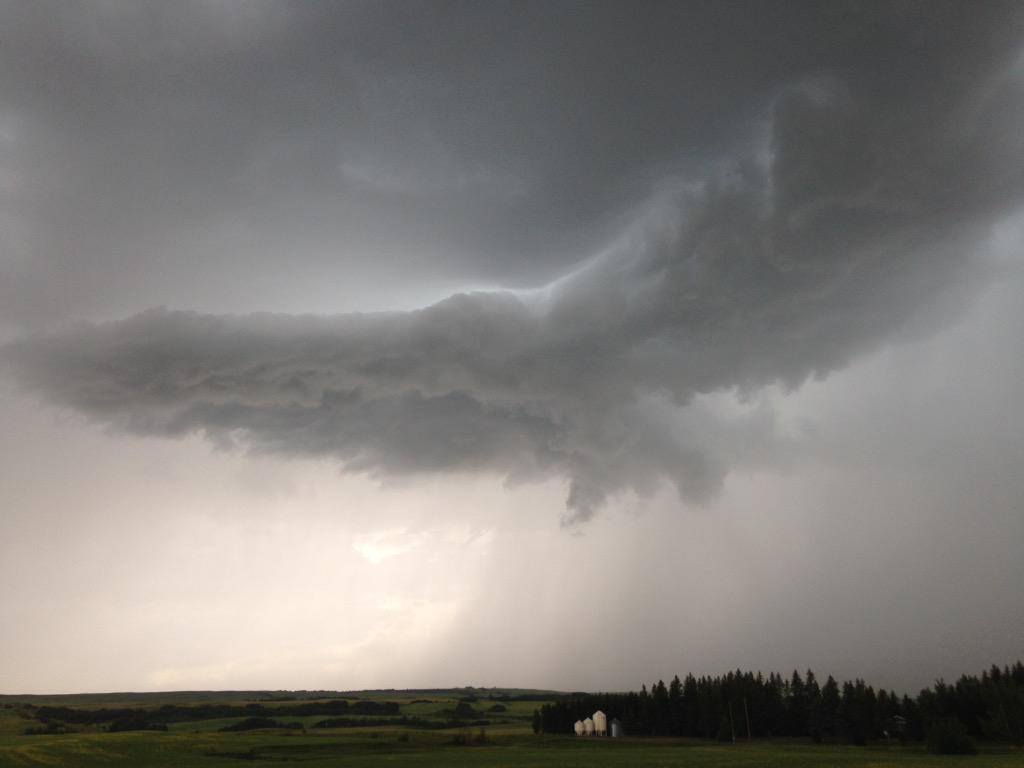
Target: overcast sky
564,345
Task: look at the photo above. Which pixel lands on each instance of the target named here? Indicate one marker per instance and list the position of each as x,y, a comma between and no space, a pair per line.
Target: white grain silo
617,731
588,727
600,723
577,727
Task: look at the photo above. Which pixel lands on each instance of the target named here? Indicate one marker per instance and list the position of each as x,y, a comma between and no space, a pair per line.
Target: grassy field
385,748
507,741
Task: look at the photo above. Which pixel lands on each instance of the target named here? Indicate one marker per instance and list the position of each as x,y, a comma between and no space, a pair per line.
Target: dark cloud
771,220
154,149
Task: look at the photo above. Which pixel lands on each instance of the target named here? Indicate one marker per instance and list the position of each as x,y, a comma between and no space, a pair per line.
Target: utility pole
747,713
732,725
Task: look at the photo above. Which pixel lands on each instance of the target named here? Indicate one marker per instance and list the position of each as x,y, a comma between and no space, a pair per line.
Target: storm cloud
734,289
856,212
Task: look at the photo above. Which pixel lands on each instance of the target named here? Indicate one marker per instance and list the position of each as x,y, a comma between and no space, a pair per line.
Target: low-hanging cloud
862,214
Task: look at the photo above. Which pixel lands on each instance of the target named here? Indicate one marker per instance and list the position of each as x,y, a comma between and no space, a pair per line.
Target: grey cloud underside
863,219
144,144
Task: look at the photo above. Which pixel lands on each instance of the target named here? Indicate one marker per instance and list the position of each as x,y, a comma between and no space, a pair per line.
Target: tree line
178,713
741,705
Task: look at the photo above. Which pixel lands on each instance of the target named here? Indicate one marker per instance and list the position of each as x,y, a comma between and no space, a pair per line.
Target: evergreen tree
660,704
815,719
675,707
796,706
690,704
774,711
829,708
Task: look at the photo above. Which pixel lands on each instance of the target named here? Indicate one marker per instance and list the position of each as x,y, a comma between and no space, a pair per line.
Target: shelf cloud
860,213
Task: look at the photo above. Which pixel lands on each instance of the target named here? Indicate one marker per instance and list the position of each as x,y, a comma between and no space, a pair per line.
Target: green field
384,748
506,741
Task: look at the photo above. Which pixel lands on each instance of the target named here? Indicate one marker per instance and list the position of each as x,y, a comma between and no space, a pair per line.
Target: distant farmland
456,727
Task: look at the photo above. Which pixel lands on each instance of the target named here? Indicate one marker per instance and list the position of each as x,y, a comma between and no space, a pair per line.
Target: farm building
597,725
